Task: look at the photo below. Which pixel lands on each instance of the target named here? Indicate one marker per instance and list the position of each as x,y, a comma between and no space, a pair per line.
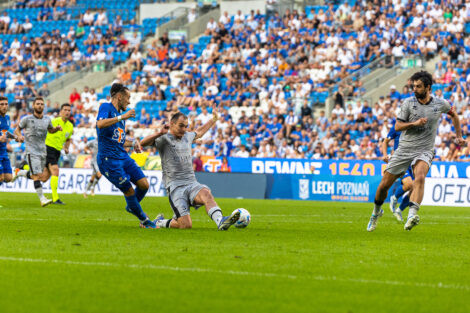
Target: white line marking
438,285
148,266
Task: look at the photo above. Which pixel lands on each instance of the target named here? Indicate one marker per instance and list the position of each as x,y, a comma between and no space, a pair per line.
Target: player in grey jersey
92,149
418,119
35,128
183,189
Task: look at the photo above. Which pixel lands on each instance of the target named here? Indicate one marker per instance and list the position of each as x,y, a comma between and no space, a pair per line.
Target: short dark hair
176,116
38,99
3,99
65,105
117,88
424,77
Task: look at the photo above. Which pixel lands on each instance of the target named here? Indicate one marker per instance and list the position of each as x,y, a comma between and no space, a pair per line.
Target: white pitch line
148,266
438,285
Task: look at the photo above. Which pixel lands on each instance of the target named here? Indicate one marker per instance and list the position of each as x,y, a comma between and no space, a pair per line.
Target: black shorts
52,157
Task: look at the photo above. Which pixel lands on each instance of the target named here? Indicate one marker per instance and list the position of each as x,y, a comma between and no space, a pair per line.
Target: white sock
40,194
215,214
377,208
164,223
95,182
414,208
88,186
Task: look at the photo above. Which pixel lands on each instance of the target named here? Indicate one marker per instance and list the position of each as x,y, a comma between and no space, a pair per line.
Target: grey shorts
401,161
36,163
182,198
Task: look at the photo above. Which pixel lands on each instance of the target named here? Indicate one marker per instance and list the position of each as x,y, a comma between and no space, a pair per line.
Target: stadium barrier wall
354,187
235,185
75,180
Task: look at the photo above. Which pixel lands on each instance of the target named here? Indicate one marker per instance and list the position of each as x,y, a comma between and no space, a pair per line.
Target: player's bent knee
419,179
206,194
129,192
143,184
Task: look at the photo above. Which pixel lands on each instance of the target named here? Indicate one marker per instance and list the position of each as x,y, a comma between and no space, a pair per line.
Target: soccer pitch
90,256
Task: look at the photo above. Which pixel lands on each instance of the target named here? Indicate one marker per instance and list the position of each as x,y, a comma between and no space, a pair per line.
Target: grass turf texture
90,256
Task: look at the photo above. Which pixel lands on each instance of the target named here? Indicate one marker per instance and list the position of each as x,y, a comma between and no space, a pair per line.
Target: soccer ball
245,218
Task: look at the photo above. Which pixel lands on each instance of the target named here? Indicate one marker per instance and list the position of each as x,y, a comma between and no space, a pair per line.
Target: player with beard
35,128
418,119
174,146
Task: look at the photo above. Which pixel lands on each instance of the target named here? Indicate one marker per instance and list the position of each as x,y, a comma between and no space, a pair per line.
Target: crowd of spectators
269,76
37,49
266,74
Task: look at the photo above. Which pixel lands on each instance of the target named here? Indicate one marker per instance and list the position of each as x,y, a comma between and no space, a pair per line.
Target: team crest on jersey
415,107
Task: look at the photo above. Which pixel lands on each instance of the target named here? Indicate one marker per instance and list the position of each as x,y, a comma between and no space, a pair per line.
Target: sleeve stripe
399,119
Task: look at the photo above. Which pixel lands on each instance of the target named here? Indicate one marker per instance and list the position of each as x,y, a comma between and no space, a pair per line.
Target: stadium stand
271,76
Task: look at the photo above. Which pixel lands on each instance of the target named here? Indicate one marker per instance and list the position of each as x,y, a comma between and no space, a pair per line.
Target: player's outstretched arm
113,120
208,125
458,131
150,139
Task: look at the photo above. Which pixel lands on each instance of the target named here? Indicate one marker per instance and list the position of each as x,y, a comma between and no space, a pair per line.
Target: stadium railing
406,62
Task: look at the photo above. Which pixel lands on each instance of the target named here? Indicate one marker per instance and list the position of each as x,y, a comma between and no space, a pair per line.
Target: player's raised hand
164,130
129,114
58,128
386,158
19,138
421,121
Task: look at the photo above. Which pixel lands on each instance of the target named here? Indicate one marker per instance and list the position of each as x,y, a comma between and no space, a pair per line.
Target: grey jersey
421,138
177,161
93,146
35,132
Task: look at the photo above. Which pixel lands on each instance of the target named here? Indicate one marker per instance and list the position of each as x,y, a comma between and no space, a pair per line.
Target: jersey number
119,135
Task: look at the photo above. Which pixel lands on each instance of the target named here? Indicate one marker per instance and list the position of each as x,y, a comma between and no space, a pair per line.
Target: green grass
90,256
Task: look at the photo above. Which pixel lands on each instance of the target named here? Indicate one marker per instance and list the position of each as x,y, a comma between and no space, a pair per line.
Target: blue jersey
111,139
4,128
394,135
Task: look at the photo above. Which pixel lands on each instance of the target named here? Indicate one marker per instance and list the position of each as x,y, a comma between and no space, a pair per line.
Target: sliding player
174,146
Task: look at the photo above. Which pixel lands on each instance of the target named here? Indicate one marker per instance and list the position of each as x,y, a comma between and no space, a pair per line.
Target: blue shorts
120,172
5,166
409,173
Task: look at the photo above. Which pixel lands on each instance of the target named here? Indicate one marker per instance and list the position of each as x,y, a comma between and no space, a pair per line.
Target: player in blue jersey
5,135
404,188
113,161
